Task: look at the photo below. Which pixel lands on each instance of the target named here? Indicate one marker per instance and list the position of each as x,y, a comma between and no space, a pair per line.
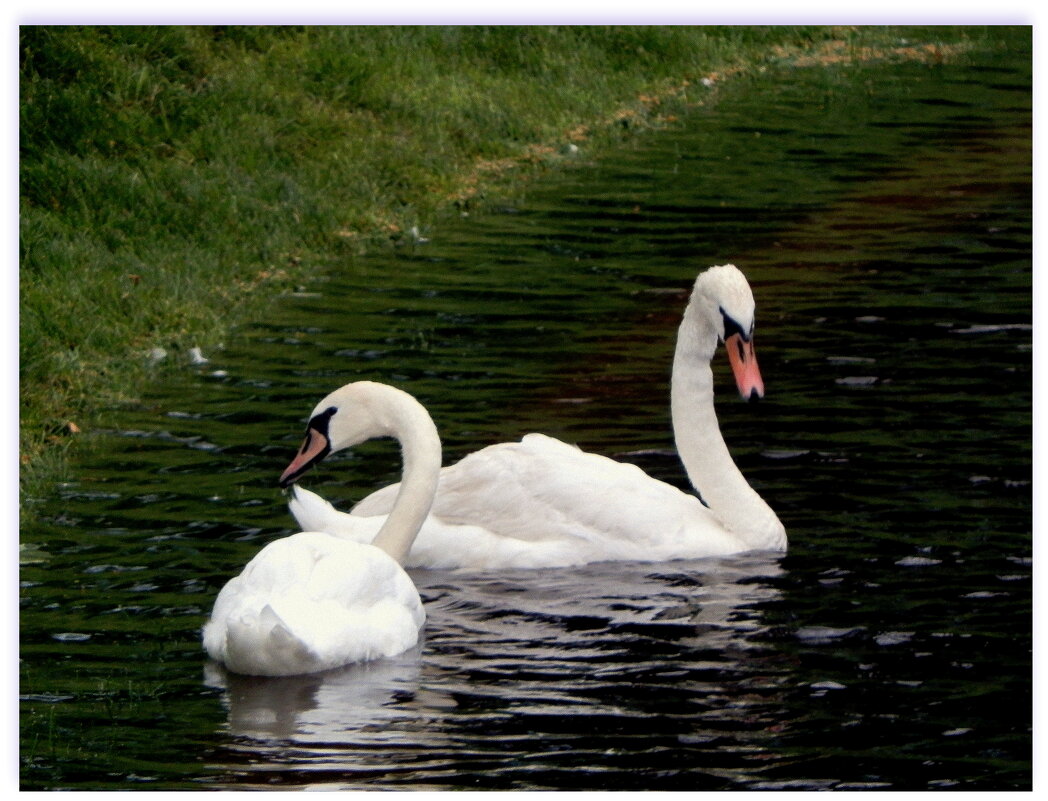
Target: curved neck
696,430
406,420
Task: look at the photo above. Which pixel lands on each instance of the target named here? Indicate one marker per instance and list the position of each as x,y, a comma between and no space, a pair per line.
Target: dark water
883,216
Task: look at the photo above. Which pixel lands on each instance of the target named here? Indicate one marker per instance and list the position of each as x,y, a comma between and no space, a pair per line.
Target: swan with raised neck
721,310
542,503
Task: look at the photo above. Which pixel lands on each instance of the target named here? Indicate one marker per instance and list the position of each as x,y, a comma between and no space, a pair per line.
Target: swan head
724,297
347,417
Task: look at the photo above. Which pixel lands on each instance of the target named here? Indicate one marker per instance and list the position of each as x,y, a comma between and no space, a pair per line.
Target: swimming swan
313,601
542,503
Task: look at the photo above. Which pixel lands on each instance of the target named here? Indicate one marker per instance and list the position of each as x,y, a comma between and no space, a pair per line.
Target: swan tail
264,645
313,513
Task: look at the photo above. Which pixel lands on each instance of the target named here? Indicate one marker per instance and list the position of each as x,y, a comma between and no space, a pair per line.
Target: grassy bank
174,179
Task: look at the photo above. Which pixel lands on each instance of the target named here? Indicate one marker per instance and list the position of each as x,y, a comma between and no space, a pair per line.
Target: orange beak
314,448
744,366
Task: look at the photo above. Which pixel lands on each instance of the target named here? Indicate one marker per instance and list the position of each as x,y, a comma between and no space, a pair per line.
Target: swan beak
315,447
744,366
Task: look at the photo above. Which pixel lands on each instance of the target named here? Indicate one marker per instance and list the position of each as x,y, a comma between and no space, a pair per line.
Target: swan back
543,503
312,602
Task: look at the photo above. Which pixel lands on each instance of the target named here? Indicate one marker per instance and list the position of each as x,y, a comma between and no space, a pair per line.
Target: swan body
314,601
543,503
512,480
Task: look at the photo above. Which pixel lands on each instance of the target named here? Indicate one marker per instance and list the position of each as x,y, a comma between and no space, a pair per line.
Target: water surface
883,218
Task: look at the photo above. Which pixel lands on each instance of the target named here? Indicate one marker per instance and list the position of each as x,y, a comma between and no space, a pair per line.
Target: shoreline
87,349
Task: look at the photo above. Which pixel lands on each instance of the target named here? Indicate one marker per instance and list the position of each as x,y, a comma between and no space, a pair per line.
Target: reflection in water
506,648
325,705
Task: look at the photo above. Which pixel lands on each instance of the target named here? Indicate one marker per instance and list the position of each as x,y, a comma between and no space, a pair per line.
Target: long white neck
706,459
404,418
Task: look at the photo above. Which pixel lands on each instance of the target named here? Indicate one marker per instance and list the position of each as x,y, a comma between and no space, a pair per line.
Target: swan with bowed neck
314,601
542,503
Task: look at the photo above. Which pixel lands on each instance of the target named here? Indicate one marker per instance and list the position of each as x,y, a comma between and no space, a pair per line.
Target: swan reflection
333,706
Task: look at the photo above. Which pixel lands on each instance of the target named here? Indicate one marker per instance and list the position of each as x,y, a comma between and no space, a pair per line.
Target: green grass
175,179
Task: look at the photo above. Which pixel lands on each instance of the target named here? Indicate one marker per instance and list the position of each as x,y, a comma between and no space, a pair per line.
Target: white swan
312,601
542,503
